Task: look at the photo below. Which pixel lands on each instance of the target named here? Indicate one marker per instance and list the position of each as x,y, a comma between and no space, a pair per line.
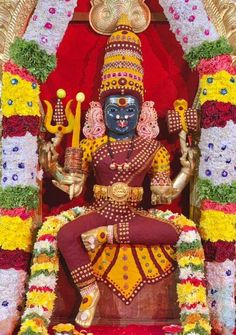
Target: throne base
154,304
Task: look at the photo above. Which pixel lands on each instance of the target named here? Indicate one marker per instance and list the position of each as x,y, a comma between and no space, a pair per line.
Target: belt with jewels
118,192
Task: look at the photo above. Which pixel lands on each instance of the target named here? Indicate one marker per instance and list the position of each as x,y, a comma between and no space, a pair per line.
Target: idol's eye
112,110
131,110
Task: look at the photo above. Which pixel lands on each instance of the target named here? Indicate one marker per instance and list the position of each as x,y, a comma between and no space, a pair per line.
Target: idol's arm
164,193
69,182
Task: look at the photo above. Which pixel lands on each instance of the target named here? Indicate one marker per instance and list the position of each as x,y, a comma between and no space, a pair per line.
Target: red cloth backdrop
166,77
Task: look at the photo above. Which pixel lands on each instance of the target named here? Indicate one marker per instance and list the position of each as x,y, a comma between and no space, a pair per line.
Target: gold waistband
118,192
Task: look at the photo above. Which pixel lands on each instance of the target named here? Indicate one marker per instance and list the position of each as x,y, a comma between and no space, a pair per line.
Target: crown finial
123,21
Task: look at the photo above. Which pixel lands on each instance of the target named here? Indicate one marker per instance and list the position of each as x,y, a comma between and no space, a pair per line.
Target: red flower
219,251
216,114
18,125
16,259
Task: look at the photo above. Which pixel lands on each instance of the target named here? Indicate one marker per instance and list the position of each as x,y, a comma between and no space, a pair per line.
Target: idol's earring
148,121
94,126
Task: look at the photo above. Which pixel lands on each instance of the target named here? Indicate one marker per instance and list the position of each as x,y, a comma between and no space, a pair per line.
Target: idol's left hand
162,194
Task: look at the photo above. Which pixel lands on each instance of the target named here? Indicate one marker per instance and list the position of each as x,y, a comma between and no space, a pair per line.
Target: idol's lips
122,123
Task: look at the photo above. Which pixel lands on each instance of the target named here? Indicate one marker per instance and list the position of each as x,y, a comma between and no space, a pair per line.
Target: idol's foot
87,309
95,237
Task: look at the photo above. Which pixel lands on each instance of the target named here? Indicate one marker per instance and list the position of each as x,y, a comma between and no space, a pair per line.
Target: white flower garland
189,22
20,161
221,281
11,292
49,23
218,154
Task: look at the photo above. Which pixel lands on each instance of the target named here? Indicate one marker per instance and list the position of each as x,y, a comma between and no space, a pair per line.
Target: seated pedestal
155,303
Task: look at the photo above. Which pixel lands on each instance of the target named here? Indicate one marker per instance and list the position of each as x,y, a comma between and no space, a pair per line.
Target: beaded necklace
124,166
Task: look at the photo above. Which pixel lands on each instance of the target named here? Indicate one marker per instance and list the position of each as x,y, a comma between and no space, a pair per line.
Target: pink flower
177,31
191,18
52,10
176,16
48,25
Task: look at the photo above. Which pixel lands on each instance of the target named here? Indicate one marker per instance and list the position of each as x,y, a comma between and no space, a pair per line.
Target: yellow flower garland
44,267
220,86
217,225
19,96
42,299
15,233
190,294
186,260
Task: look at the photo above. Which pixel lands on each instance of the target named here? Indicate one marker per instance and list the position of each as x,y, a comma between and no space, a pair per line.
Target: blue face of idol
121,115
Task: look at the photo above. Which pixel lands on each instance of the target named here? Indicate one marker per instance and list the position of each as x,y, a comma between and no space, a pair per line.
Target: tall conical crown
122,72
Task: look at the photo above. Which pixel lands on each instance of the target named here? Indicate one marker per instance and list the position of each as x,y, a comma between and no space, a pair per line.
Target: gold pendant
113,166
126,166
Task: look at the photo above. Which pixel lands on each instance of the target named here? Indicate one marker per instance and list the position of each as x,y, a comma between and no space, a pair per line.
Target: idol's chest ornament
123,166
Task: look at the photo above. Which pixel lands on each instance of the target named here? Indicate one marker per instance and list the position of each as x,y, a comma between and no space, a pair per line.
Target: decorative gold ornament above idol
104,15
223,15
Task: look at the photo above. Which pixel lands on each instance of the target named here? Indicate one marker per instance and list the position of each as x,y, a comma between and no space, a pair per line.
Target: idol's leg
71,246
141,229
147,230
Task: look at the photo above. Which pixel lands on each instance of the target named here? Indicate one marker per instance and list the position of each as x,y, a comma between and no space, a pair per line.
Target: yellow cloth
127,268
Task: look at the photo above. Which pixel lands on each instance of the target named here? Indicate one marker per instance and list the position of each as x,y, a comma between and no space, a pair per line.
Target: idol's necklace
124,166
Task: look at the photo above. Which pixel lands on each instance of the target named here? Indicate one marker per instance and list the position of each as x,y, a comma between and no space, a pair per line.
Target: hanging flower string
44,271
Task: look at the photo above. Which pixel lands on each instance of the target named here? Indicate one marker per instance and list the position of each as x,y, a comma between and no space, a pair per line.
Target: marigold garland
9,240
220,87
19,97
30,56
216,225
41,295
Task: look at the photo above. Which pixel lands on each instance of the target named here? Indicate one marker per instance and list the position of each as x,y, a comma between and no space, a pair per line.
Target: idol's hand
48,156
188,159
71,183
162,194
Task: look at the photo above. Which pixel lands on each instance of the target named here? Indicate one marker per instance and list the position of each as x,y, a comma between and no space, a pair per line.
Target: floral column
210,54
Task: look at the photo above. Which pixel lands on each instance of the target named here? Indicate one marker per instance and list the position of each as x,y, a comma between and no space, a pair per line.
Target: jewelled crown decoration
122,72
